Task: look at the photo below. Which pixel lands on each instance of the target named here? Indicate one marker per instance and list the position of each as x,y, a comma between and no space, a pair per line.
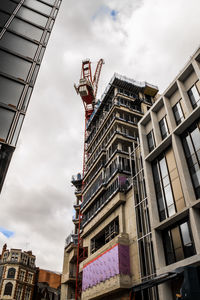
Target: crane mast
87,89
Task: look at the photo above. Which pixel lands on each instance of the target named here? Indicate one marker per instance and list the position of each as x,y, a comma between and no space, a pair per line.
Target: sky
147,40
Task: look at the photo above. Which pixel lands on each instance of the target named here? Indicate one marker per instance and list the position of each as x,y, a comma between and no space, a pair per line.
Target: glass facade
178,243
191,145
27,26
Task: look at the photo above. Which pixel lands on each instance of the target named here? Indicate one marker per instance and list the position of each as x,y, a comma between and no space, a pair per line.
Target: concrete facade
174,197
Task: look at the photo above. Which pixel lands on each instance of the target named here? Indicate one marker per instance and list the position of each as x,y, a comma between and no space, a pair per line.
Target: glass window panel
10,91
34,76
185,233
3,18
26,101
52,2
178,113
18,44
168,195
163,167
26,29
14,65
188,146
168,246
41,7
17,130
195,171
171,210
195,134
7,6
6,118
194,96
32,16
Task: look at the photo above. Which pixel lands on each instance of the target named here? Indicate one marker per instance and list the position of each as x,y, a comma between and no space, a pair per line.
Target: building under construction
137,201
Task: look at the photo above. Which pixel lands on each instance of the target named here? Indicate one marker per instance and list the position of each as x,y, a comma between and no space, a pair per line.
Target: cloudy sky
147,40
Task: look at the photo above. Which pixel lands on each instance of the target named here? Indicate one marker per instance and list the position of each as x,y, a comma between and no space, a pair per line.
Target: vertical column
156,128
184,96
170,115
196,67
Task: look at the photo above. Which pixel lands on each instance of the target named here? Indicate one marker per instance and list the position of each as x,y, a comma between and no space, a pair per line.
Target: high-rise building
17,274
170,148
25,28
140,213
108,228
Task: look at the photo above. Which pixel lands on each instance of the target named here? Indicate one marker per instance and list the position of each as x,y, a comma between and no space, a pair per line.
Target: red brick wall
53,279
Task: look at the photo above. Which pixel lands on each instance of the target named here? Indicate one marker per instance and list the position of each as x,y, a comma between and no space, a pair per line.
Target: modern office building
108,228
25,28
170,147
17,274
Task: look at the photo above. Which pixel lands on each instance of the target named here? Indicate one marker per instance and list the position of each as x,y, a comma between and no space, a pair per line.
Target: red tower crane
87,89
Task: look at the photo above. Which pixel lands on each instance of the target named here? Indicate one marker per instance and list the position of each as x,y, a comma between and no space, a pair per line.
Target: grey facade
170,147
25,27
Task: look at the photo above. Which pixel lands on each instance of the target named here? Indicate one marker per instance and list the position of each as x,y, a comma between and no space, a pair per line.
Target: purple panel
112,262
124,260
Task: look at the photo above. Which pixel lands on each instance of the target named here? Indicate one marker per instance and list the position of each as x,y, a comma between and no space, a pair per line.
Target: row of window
194,96
12,272
9,289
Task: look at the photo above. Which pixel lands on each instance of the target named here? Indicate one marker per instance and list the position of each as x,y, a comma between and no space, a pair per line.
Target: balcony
107,270
69,277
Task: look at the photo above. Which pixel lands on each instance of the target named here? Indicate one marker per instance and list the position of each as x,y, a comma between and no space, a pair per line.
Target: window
26,29
163,189
14,65
10,91
8,289
11,273
18,292
27,293
178,113
6,118
32,16
29,277
18,44
151,140
177,242
17,129
43,8
194,96
191,145
106,235
3,18
7,6
22,275
163,128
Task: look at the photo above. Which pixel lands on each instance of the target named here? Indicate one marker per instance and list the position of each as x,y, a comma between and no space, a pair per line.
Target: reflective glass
6,118
185,233
26,29
26,101
52,2
32,16
17,130
18,44
10,91
195,134
163,167
41,7
194,96
178,113
3,18
7,6
14,65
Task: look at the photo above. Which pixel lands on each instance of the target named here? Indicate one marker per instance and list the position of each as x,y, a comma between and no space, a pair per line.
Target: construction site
137,197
